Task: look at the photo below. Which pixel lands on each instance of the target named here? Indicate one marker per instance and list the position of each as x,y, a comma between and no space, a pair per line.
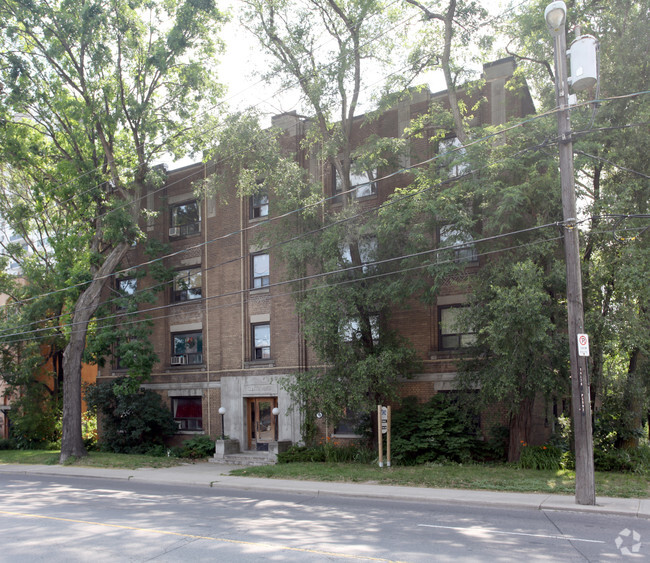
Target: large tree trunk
520,423
71,438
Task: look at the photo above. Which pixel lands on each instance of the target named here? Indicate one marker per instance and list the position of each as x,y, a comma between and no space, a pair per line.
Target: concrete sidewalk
216,476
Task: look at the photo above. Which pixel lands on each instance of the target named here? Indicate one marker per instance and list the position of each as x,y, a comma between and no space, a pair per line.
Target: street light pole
580,394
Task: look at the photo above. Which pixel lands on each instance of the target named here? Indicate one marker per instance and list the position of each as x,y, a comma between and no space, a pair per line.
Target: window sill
260,290
253,364
258,219
190,432
184,237
186,367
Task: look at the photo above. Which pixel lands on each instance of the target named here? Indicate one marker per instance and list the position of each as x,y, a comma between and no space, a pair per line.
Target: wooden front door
261,422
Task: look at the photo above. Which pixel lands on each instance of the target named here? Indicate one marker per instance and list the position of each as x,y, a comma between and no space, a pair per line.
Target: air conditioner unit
178,360
174,231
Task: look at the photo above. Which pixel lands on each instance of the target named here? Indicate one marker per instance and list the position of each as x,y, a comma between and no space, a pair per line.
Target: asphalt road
60,518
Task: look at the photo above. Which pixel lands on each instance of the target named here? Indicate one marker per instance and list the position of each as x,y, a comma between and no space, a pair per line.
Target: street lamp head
555,16
276,411
222,410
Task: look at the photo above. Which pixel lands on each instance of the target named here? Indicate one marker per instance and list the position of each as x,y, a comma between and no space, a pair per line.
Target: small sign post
383,424
380,437
583,345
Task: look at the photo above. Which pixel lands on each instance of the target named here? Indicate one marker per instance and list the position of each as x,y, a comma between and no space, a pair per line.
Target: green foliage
330,452
130,423
635,460
547,458
7,444
35,419
439,430
197,447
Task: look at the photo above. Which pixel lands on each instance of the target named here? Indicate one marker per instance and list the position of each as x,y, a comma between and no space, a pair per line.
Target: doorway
261,422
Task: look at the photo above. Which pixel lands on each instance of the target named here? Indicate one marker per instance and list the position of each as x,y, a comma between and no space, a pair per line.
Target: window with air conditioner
188,412
185,219
187,349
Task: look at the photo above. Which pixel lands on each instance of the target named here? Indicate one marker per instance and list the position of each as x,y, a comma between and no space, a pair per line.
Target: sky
243,61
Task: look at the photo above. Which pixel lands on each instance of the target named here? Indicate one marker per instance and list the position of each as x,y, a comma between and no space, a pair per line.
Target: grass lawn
486,477
497,477
93,459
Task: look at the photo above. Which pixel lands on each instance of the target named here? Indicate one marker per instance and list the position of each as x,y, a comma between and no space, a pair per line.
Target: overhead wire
318,203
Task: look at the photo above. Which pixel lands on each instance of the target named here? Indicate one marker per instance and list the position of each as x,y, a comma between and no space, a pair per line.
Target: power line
339,271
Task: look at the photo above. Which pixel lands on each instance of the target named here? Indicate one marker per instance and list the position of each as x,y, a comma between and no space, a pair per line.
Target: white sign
384,420
583,345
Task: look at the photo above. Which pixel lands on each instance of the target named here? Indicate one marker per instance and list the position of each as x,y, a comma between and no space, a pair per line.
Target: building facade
226,331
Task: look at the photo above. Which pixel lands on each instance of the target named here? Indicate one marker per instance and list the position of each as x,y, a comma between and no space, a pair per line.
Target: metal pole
580,394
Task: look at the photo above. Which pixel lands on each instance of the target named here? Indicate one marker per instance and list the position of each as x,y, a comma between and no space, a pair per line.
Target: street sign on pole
583,345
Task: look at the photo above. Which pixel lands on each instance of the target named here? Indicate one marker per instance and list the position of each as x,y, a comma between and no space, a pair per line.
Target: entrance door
261,422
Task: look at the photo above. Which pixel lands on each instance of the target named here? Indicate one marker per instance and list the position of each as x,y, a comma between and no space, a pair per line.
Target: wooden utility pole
580,394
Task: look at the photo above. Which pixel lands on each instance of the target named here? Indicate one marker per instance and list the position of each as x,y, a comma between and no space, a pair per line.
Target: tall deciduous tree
92,94
610,141
323,48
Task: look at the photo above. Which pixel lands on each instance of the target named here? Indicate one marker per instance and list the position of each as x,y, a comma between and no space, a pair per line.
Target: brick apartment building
229,333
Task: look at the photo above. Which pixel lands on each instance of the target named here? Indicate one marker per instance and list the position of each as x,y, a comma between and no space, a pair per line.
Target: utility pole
555,16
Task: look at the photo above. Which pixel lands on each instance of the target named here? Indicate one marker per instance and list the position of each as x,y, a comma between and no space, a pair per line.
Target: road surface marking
568,538
195,537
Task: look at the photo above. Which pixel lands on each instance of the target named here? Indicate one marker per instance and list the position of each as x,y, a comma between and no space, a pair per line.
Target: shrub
439,430
197,447
131,423
540,457
330,451
35,419
7,444
636,460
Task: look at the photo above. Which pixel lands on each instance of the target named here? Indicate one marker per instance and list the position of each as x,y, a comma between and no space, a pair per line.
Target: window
351,330
260,205
126,286
365,182
451,337
456,159
464,249
187,285
367,252
352,423
123,350
187,348
188,412
185,219
261,342
260,270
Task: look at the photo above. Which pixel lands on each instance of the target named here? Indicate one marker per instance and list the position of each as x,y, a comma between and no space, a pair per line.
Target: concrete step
246,459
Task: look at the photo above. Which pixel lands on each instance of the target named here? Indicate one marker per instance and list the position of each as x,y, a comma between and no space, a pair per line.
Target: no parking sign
583,345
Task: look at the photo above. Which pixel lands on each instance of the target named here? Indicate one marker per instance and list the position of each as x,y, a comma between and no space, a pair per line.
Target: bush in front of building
131,423
548,458
197,447
330,451
440,430
7,444
36,419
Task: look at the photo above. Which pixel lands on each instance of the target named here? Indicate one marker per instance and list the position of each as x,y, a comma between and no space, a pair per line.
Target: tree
322,50
93,94
611,178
